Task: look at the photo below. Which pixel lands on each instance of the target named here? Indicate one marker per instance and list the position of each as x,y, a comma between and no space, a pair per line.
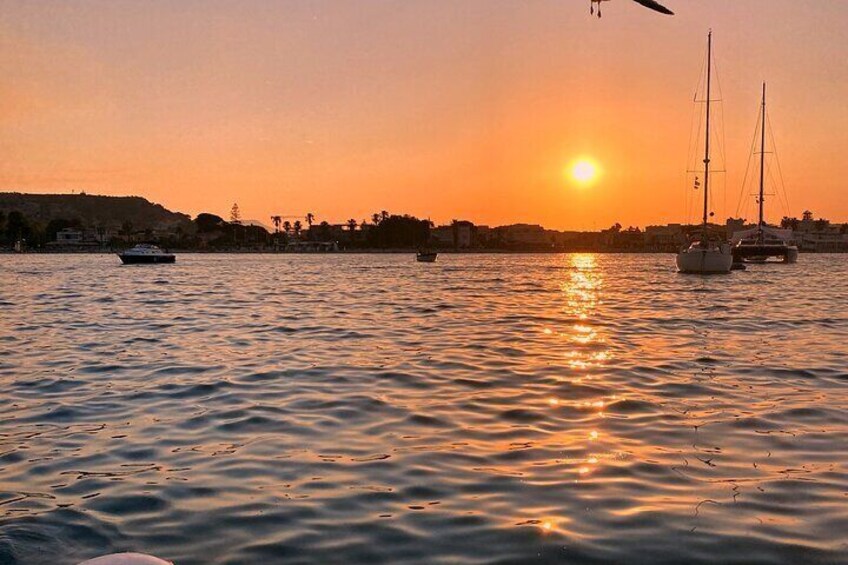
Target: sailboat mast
707,144
762,162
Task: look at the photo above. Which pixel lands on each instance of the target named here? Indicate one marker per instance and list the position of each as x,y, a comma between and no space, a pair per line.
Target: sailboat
706,254
759,244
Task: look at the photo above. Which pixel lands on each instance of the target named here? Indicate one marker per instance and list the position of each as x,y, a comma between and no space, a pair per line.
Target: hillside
91,210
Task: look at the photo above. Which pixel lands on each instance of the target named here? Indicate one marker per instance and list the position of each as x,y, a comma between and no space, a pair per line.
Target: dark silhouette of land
81,222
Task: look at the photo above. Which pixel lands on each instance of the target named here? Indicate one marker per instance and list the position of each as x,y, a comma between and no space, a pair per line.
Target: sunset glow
584,171
472,110
368,281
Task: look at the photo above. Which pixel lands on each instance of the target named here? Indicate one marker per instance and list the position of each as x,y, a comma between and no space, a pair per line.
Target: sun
584,171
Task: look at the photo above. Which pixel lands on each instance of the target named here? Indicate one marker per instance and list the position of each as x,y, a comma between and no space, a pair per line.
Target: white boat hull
705,261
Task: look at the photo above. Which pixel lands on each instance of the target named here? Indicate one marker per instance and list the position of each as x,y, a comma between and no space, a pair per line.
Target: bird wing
653,5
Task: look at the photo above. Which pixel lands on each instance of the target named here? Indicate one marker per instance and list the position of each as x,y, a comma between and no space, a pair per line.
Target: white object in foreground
126,559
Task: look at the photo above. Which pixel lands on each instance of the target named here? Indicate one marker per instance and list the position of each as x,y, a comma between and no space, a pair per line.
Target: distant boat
145,254
426,256
706,254
759,244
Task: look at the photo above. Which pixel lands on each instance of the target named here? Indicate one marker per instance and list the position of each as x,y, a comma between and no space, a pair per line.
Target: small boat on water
706,254
426,256
146,254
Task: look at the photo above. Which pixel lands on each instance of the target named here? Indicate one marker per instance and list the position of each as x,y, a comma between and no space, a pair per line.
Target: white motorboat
146,254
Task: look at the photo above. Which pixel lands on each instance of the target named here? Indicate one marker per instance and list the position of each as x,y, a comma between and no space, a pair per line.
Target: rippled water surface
366,408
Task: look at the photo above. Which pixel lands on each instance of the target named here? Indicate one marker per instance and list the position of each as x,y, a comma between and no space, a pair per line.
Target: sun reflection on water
585,353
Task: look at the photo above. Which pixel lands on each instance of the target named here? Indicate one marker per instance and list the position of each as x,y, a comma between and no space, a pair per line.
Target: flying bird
652,4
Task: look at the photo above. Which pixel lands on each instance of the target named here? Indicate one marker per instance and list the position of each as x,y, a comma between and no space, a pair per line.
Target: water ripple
507,409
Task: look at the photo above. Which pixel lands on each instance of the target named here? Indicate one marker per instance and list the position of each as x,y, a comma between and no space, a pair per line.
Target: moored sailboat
759,244
706,254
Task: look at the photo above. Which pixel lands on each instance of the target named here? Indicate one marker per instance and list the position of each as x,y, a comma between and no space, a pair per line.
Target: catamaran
706,253
761,243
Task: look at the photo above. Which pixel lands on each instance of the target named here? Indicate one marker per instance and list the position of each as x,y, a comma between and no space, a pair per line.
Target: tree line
15,226
210,231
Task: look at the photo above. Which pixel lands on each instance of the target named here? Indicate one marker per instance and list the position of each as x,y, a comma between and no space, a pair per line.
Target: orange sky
441,108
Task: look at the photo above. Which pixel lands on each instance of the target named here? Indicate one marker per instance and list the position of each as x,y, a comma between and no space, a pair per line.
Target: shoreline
380,252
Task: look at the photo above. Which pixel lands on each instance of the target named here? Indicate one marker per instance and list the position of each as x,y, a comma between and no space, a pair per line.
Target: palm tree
375,218
384,215
297,227
310,217
287,226
351,228
277,220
